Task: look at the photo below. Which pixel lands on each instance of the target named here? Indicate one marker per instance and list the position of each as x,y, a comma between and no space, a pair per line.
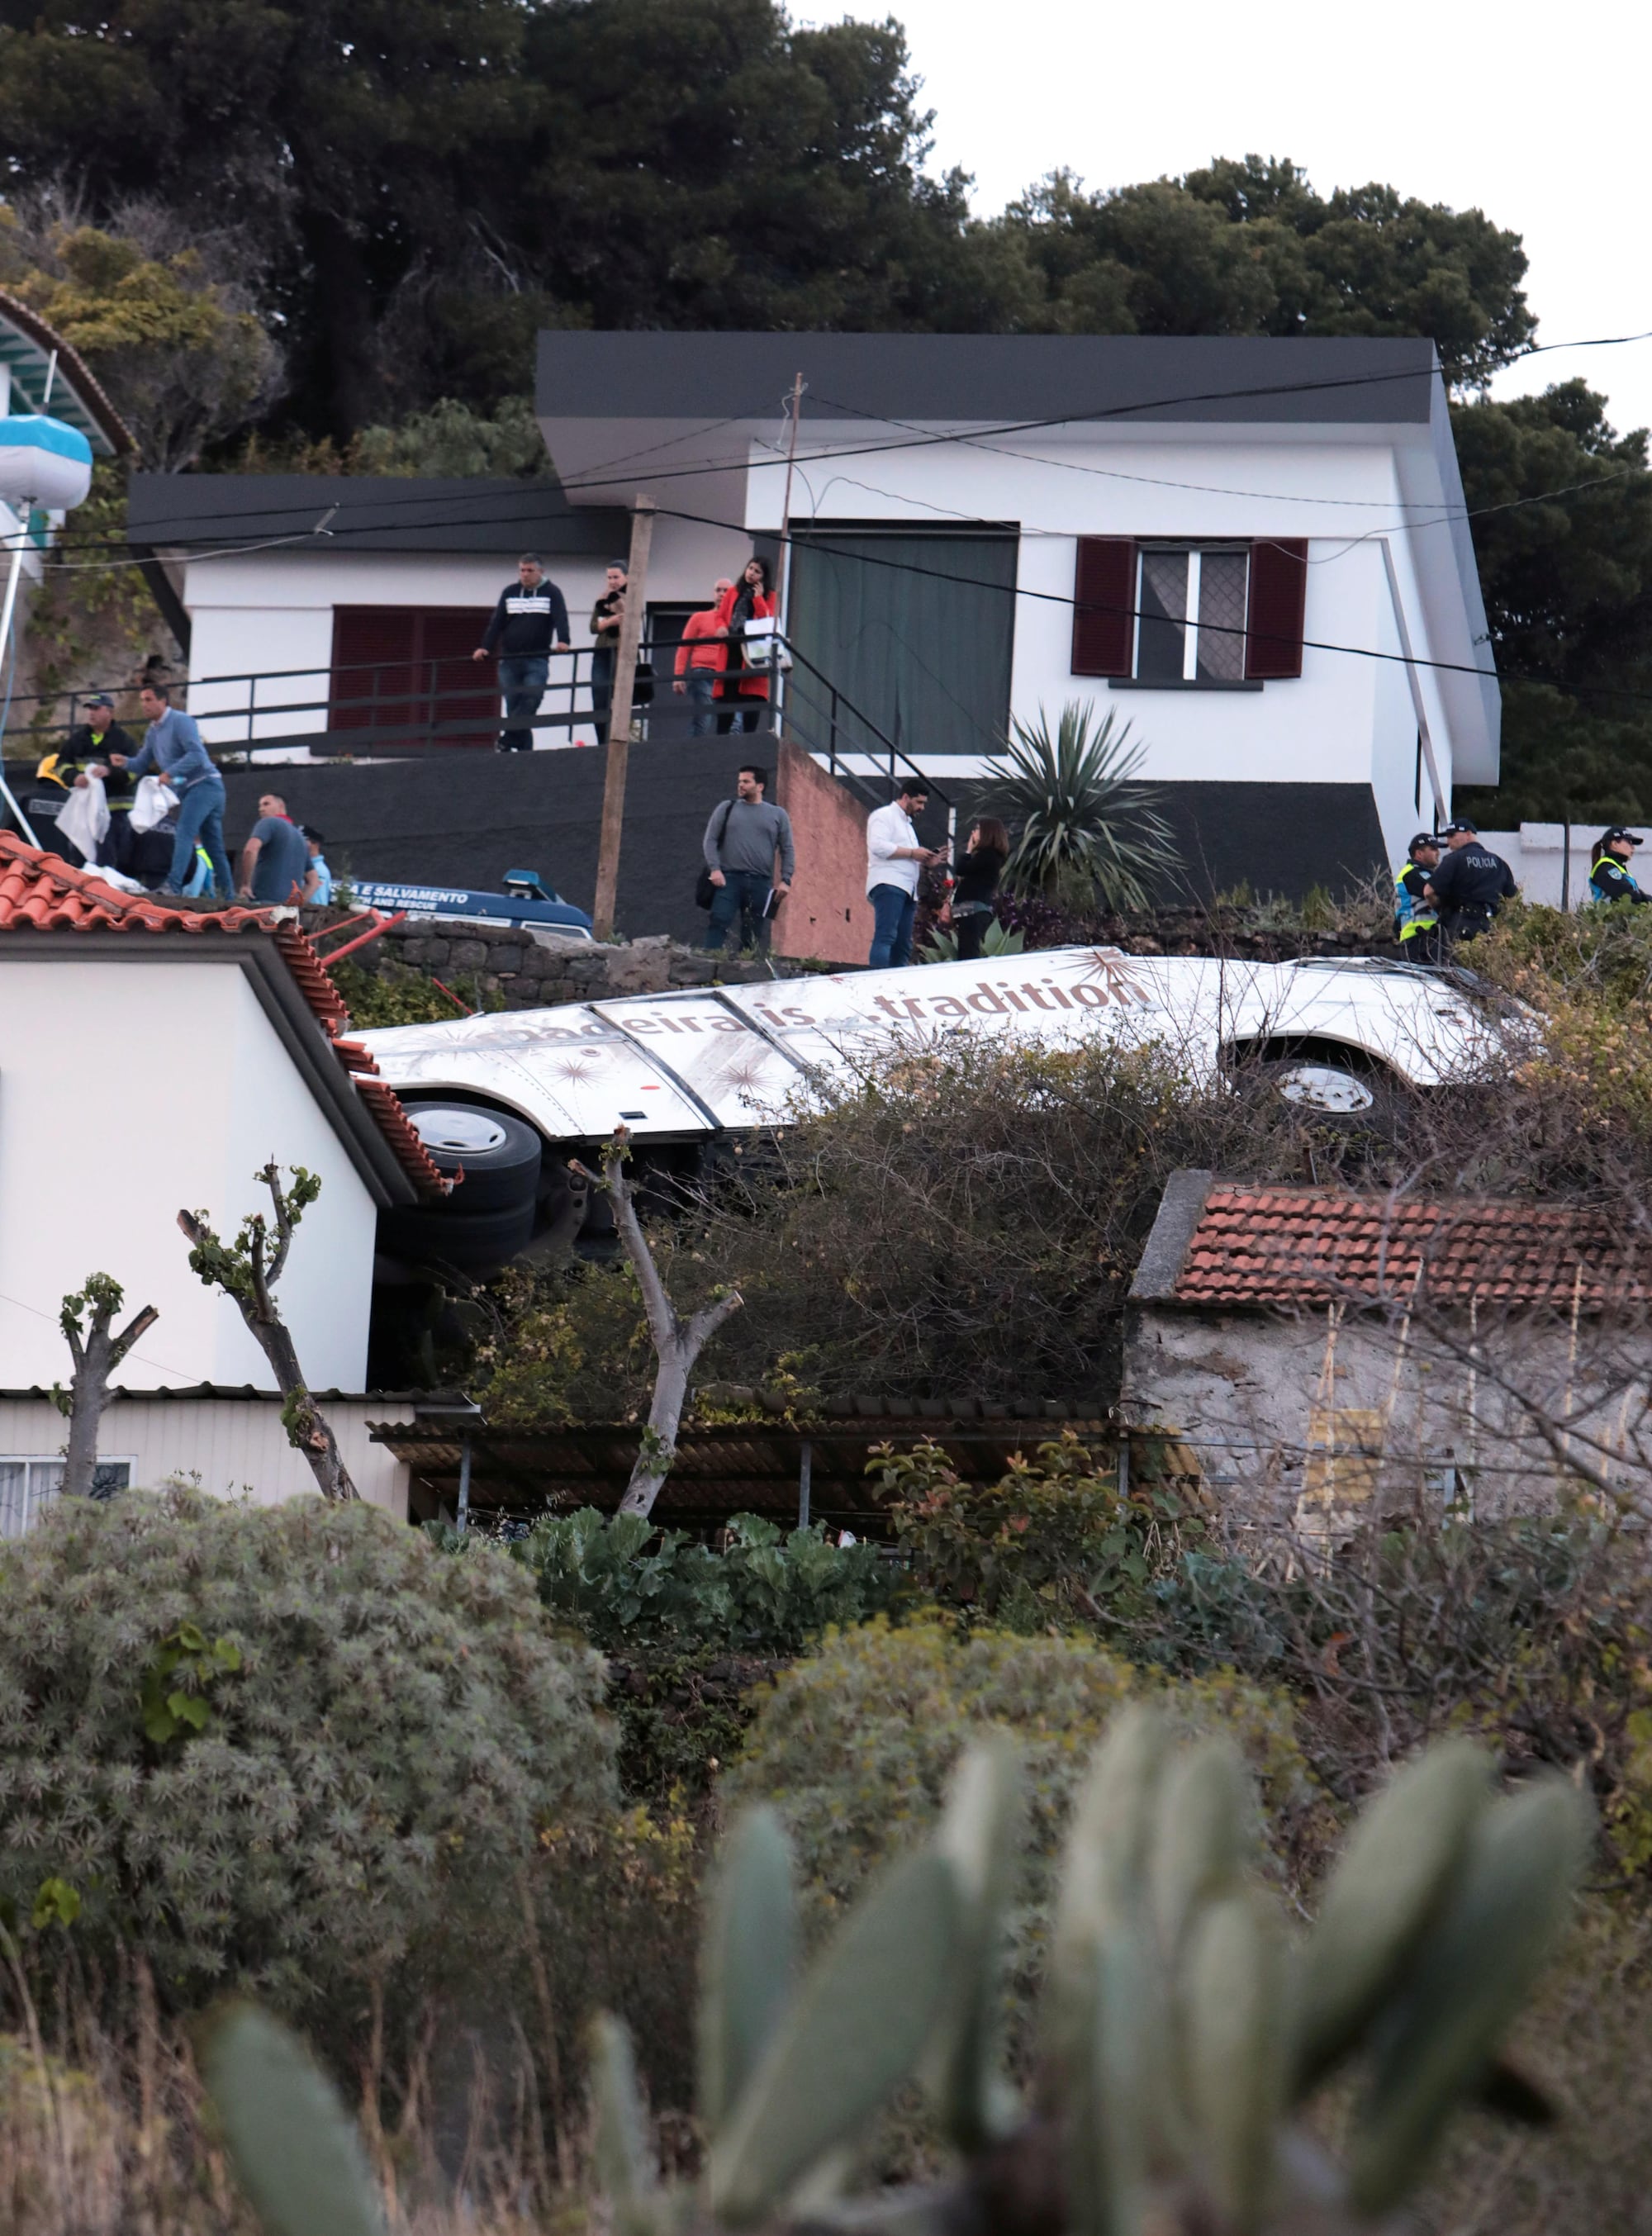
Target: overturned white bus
498,1094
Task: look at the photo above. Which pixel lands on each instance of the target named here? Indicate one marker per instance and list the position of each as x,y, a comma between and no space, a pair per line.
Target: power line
594,477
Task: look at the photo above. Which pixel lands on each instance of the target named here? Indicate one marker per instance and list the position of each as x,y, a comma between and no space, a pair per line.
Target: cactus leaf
1237,2049
854,2032
626,2169
1104,1876
745,1960
1202,1837
1387,1890
979,1836
1468,1978
293,2144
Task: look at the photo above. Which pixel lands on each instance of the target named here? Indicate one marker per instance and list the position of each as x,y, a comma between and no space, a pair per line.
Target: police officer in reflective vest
1469,885
1608,873
1416,919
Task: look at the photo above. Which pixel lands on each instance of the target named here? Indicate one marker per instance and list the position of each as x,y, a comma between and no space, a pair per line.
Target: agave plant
1183,2035
1083,825
941,946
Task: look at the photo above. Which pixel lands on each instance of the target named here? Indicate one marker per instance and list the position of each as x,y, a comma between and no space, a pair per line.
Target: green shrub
1051,1541
767,1591
691,1631
853,1745
291,1747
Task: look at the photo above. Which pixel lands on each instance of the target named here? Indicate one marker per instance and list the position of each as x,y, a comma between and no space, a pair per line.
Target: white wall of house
235,1446
1536,854
264,612
129,1090
1349,718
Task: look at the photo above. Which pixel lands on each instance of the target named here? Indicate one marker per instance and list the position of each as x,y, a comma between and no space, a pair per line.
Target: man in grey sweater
742,839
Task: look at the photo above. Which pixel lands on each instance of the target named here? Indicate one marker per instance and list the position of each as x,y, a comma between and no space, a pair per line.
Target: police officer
1608,874
1469,885
1417,920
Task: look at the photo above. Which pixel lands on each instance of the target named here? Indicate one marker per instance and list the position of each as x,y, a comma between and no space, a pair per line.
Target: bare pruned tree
246,1271
677,1342
87,1320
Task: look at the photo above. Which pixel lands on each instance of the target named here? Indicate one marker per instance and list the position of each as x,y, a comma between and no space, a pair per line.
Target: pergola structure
790,1470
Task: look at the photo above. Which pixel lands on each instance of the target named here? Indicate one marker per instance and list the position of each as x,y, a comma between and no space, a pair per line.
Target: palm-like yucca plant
1084,827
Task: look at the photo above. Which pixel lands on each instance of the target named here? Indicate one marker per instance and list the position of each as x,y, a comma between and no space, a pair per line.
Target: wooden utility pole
785,506
619,715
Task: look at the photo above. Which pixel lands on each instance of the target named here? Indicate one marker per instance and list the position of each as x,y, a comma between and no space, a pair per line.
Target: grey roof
369,512
985,377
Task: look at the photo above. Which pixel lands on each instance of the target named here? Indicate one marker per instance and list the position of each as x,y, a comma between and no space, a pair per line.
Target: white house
153,1060
1256,551
312,603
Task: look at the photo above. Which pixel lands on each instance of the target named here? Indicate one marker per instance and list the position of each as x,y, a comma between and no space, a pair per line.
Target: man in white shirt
893,860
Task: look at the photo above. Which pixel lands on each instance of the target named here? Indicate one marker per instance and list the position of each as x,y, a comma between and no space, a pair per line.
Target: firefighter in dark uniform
1415,919
1608,873
91,743
1470,886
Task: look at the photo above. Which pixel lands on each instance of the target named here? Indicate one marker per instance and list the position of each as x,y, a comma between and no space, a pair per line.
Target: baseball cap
1422,838
1618,831
1452,830
98,699
315,836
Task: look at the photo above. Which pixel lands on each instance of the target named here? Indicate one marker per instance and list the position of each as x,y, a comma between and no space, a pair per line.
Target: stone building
1327,1353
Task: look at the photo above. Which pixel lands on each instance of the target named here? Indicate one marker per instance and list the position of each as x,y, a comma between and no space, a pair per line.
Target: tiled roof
1284,1245
42,893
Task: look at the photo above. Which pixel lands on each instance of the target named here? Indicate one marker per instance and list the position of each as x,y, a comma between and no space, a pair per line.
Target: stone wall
531,977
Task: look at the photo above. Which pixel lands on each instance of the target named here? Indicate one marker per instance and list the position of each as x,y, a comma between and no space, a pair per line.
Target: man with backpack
742,840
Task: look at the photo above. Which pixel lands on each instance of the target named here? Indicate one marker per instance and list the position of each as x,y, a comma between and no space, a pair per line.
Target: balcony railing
397,709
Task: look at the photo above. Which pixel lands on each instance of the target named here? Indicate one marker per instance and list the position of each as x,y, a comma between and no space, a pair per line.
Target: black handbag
705,891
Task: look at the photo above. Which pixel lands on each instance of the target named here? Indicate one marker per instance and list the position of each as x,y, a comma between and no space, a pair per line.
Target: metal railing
401,708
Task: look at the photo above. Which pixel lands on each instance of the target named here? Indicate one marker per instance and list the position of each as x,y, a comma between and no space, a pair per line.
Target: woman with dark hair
1609,870
978,878
751,599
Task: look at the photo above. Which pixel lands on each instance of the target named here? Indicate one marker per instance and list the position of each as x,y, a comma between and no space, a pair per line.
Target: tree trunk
246,1278
677,1342
97,1355
307,1430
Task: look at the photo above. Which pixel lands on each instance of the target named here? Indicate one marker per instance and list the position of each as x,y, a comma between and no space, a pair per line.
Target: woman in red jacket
751,599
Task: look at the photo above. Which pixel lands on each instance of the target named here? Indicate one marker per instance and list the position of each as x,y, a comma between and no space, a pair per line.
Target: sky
1534,115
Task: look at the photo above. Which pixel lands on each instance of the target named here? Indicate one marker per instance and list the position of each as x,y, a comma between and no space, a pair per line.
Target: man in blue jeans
531,617
172,748
742,839
894,859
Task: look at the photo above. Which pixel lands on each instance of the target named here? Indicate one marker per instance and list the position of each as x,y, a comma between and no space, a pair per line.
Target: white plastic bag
83,818
153,802
763,645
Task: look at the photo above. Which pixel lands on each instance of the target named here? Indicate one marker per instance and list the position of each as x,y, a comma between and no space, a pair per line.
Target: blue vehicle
526,903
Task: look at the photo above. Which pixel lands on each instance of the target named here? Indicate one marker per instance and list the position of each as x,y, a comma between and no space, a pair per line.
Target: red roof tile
41,892
1283,1245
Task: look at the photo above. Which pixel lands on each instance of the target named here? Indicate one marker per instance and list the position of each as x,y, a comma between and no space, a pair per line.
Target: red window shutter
373,653
1104,606
401,668
1279,582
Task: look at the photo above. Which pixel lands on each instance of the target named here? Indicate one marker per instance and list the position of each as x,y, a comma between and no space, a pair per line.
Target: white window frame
34,1506
1195,554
